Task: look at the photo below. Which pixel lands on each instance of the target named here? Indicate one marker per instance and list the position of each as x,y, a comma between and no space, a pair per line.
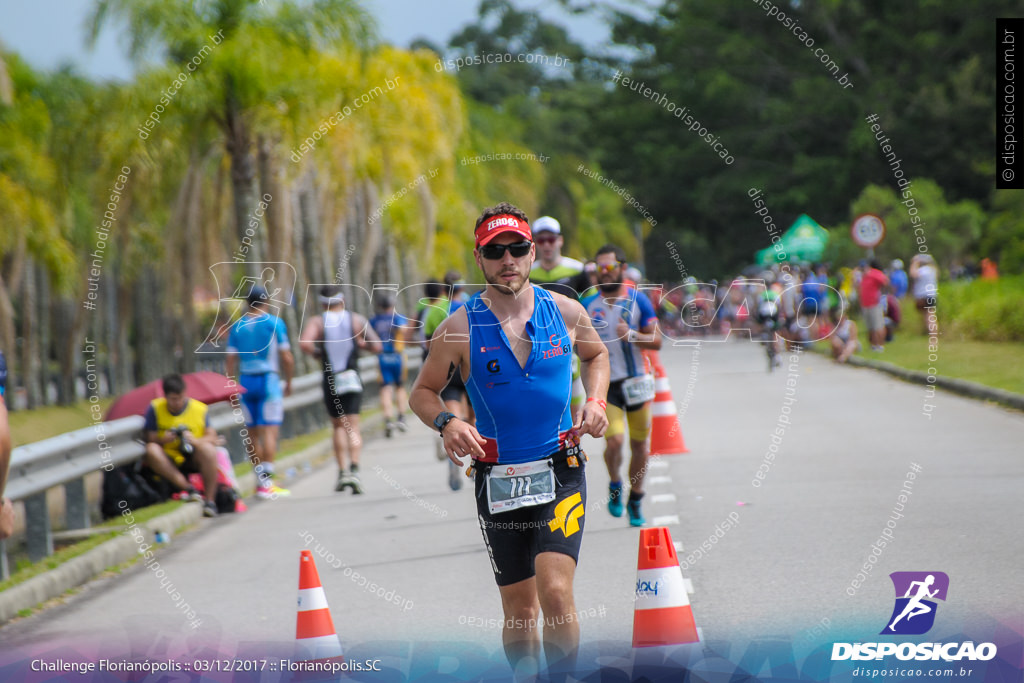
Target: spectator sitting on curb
180,441
843,337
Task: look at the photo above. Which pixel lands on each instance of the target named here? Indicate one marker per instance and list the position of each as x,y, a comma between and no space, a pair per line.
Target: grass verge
993,364
37,424
25,569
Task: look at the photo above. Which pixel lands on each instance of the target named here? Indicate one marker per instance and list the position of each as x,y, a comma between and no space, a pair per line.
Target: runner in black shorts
512,345
514,539
339,405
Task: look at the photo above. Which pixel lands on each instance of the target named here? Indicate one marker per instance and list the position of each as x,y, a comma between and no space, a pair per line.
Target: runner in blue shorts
512,346
258,348
390,326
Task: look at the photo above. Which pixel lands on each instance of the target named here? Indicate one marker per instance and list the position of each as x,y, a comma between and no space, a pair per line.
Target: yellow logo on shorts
567,515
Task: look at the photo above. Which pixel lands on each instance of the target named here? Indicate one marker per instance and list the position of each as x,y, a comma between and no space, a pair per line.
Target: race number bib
638,390
347,382
510,487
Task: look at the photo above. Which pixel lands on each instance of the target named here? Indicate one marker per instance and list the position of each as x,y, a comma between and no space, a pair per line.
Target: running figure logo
914,612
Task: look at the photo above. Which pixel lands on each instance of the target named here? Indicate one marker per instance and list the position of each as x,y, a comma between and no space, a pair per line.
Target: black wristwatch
442,420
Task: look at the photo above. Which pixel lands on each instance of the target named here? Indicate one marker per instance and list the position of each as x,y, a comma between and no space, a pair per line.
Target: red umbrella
206,387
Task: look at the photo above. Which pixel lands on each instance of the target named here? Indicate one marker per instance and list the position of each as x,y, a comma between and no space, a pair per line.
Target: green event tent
804,241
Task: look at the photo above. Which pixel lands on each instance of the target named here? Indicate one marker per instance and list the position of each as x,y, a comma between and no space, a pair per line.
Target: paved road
846,442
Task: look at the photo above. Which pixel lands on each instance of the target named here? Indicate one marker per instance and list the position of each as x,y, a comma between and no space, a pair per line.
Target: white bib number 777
510,487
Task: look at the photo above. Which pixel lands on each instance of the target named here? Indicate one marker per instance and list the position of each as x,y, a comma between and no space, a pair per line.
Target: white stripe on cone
663,409
660,588
312,598
661,384
320,647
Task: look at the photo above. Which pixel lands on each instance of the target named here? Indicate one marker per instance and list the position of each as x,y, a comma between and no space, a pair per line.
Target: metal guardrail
65,460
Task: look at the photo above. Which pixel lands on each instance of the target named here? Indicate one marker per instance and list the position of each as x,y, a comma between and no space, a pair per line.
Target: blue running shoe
615,499
636,518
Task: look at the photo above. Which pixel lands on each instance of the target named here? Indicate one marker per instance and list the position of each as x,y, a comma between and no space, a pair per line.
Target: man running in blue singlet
512,344
257,348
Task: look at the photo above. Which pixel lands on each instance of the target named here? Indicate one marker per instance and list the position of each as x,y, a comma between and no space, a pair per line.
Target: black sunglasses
493,252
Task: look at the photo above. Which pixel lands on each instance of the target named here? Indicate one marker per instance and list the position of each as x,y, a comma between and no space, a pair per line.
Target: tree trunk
45,332
189,333
7,337
243,169
312,234
30,366
68,321
151,359
274,238
119,347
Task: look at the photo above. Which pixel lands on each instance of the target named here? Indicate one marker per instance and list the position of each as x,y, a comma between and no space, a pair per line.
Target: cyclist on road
768,316
335,338
258,348
626,322
511,343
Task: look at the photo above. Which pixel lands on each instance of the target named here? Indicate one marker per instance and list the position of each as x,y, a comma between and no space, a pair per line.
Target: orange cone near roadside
662,614
666,434
315,637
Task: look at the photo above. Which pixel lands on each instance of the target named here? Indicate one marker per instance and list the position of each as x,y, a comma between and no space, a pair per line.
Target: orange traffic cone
662,614
315,637
666,434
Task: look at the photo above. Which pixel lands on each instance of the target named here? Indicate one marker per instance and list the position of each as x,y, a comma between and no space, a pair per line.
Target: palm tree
31,240
248,53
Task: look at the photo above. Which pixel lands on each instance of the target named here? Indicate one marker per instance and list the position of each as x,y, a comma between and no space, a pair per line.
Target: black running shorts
618,399
339,405
515,538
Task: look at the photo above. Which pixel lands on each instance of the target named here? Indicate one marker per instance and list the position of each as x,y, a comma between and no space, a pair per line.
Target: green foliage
985,310
1003,237
947,230
795,131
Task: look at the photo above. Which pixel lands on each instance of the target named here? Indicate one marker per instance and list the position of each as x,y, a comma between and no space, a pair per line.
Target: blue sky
47,33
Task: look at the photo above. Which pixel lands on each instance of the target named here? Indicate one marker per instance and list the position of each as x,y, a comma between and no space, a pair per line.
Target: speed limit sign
868,230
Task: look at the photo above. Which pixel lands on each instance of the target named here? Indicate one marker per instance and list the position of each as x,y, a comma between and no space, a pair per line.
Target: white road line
678,545
659,480
657,465
663,498
665,520
689,586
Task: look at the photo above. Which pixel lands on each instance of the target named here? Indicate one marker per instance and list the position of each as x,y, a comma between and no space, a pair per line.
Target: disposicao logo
914,614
